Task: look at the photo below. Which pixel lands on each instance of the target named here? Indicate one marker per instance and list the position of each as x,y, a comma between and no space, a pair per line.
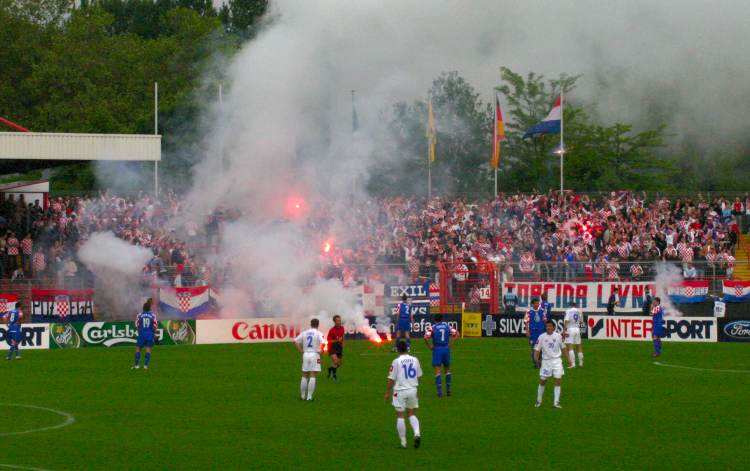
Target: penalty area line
715,370
69,420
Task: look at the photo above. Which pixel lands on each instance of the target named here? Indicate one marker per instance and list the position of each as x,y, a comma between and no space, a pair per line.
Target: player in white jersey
309,344
572,334
403,380
550,347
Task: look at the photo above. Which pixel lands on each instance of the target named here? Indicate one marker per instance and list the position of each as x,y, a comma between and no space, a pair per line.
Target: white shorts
574,337
551,368
310,362
405,399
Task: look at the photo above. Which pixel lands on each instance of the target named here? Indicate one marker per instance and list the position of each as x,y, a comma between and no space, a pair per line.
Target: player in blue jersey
13,318
534,324
404,320
657,318
146,325
546,305
442,340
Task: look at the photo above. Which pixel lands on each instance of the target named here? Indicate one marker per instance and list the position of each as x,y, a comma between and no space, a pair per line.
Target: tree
463,124
598,157
241,16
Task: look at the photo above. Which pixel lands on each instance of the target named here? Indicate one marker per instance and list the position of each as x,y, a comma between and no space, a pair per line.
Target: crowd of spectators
570,236
43,243
564,237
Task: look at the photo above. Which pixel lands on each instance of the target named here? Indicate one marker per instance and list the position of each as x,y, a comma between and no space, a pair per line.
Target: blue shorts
13,334
145,341
532,340
441,356
660,332
404,326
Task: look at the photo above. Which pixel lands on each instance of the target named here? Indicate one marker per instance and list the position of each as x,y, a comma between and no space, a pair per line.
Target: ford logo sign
738,330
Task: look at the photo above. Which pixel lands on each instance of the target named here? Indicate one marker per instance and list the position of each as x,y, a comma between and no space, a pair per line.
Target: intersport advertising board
33,336
678,329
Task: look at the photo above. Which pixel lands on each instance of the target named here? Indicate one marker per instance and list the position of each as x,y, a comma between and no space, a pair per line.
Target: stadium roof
20,184
62,146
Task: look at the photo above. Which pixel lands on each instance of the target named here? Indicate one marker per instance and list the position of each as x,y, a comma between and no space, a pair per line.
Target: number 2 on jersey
309,341
409,372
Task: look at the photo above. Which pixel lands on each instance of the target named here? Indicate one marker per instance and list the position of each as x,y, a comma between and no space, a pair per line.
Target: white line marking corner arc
69,420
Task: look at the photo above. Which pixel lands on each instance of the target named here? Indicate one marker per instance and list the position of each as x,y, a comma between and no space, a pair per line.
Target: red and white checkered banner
184,303
7,301
689,292
59,305
736,291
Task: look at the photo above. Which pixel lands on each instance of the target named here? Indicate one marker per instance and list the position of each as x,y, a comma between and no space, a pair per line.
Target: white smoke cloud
636,56
668,277
284,125
104,251
117,266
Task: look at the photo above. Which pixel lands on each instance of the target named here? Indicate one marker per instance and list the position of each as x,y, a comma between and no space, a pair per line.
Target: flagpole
429,147
156,133
354,179
495,182
429,179
562,141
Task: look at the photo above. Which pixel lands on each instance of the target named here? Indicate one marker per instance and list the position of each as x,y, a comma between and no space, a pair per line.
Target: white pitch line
69,420
716,370
29,468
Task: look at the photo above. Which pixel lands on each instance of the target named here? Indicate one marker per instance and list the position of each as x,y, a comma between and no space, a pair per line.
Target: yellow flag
431,132
498,135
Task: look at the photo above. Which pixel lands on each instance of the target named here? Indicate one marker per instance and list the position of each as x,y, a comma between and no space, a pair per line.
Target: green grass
237,407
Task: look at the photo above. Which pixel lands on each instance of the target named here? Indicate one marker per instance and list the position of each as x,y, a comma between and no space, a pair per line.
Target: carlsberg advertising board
112,334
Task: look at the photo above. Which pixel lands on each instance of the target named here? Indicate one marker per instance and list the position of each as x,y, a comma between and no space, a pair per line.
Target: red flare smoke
371,334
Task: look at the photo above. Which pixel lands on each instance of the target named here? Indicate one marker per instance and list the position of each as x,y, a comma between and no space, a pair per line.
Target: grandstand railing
403,273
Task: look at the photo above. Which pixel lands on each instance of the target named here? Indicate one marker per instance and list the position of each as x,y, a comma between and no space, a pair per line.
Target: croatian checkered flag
185,299
62,305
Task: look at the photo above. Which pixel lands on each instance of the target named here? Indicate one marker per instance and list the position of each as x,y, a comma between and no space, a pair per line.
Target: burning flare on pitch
371,334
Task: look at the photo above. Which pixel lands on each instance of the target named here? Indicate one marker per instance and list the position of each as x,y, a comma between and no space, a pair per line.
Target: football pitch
238,407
